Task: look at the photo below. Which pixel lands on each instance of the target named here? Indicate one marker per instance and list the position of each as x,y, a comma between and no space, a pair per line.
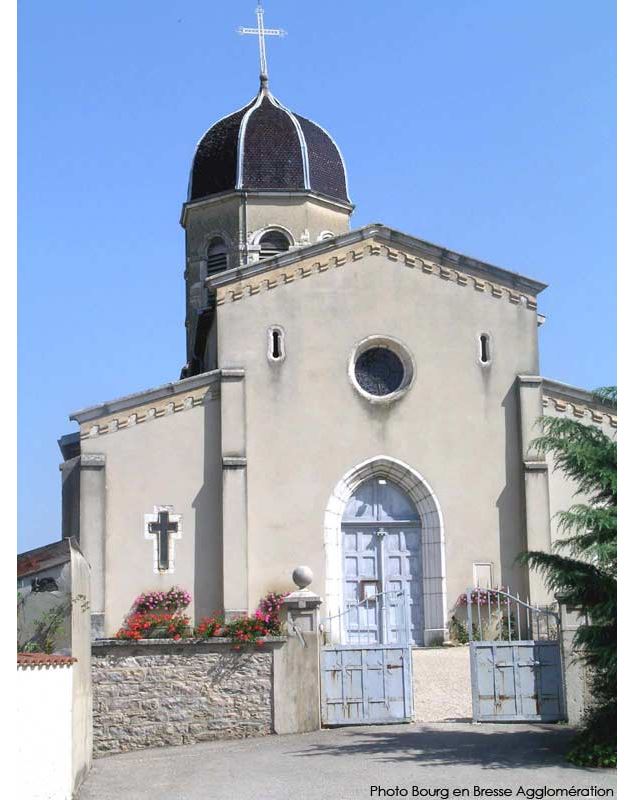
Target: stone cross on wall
162,528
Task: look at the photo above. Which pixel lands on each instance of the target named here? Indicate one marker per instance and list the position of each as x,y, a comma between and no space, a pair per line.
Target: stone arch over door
433,545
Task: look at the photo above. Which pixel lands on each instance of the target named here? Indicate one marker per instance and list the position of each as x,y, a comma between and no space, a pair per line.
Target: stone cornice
536,466
92,461
234,462
575,393
138,416
172,398
147,396
530,380
375,240
579,402
233,374
329,202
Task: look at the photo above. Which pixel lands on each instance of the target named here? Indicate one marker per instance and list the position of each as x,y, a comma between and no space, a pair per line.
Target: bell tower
264,181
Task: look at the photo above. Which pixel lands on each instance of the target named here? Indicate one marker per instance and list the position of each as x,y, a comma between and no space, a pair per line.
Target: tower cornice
213,199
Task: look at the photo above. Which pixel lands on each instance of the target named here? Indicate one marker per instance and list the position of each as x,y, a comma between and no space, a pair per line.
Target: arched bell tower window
273,243
216,256
216,260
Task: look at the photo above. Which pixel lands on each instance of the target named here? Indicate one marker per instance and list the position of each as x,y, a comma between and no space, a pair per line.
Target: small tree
582,569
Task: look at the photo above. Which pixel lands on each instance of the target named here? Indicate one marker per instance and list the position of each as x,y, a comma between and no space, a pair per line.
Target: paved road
344,763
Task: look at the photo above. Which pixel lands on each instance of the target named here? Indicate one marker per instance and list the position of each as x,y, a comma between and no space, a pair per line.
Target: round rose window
379,371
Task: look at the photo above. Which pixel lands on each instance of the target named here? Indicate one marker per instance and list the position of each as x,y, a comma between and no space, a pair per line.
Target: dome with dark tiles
266,147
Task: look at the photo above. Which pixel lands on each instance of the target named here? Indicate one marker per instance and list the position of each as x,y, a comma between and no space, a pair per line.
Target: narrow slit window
276,344
485,355
276,348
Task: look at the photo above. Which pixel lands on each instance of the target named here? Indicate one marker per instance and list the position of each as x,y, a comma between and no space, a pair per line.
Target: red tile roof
43,557
44,660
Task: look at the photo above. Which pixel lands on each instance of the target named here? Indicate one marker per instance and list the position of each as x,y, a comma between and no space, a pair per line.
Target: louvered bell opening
272,244
216,261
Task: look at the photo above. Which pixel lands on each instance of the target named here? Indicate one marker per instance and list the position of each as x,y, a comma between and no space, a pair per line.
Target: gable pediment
375,241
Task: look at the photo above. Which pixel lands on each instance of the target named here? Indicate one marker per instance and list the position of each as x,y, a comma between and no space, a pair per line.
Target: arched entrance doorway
431,627
381,543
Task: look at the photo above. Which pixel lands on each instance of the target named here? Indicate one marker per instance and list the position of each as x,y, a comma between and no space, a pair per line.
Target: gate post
296,666
575,672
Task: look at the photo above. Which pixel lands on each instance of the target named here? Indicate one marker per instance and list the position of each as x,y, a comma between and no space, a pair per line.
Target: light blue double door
381,537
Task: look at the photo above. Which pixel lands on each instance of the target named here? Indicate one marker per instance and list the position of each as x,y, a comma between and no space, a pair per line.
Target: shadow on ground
541,746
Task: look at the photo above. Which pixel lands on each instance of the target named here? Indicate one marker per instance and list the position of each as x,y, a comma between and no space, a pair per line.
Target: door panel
366,684
382,542
516,681
400,569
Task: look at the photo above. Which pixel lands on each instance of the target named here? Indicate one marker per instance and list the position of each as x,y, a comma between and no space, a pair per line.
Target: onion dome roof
266,147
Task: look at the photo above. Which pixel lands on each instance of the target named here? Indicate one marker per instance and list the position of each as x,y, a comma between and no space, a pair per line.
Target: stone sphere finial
302,577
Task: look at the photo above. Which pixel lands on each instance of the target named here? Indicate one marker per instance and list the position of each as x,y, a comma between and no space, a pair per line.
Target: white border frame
400,350
257,235
283,346
490,349
489,564
147,519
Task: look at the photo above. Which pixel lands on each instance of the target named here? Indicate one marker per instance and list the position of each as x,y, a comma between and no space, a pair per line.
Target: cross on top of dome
261,32
266,147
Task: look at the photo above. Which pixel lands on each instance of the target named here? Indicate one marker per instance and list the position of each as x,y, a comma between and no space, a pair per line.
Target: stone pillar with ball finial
301,607
296,666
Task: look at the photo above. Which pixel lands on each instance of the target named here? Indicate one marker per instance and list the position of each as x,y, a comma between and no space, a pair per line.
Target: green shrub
458,631
596,744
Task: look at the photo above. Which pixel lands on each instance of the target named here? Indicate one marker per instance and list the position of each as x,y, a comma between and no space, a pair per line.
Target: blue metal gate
366,662
515,659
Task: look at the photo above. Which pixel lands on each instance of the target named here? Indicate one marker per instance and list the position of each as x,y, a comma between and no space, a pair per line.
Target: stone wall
158,693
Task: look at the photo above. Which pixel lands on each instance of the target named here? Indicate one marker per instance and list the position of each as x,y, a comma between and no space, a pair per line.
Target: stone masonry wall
152,694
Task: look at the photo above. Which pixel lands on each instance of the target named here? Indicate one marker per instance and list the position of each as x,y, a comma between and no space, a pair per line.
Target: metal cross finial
261,32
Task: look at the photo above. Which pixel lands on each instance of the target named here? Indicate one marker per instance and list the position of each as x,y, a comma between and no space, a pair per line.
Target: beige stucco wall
166,460
562,491
307,425
297,215
239,218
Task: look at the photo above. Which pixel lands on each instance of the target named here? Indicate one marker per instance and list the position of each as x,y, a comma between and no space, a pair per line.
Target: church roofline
569,392
155,393
68,444
30,562
391,237
247,193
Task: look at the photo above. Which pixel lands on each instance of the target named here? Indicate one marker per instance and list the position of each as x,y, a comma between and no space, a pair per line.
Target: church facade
359,401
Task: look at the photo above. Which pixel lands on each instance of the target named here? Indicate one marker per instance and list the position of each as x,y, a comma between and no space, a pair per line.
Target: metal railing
501,616
383,618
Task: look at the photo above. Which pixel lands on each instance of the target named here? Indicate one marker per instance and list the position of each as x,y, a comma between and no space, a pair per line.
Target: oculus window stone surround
381,369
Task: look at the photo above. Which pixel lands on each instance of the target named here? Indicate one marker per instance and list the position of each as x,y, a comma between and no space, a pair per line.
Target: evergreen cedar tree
582,569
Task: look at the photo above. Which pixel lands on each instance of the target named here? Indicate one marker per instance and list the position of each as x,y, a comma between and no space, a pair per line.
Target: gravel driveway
345,763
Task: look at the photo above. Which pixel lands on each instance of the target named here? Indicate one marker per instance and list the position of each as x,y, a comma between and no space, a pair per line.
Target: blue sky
488,127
